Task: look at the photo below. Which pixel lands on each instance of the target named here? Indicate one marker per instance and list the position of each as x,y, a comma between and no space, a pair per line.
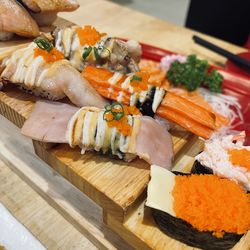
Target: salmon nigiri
40,69
14,19
45,11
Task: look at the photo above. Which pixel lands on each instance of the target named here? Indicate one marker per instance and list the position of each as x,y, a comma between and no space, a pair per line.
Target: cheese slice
160,190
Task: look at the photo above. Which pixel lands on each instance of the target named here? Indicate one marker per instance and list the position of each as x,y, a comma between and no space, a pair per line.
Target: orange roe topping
157,76
240,157
139,81
88,35
52,56
211,203
121,124
131,110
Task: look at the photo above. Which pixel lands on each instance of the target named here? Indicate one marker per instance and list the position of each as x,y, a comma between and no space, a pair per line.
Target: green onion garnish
108,107
97,56
86,52
136,78
116,110
43,44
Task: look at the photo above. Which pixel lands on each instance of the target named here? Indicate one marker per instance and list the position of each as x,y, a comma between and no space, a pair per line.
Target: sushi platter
93,174
121,180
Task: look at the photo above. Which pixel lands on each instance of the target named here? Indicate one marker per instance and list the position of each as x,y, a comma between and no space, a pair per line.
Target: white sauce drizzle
70,128
143,96
159,94
120,96
126,83
58,44
115,78
100,135
75,43
42,77
66,40
86,129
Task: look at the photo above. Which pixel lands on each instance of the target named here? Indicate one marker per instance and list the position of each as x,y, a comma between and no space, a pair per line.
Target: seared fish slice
15,19
86,128
38,6
45,11
54,80
107,52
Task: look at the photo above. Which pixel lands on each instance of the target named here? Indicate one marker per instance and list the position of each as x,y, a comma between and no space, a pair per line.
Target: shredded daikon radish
227,106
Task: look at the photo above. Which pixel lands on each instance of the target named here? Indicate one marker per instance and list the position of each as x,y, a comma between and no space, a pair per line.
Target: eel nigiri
84,46
152,98
14,19
45,11
113,130
203,211
226,157
44,72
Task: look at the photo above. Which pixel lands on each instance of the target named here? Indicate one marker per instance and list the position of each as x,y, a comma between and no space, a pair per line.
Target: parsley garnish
193,74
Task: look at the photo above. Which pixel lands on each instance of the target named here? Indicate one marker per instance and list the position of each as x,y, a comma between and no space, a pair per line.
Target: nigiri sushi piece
86,46
226,157
203,211
45,11
151,98
40,69
115,130
14,19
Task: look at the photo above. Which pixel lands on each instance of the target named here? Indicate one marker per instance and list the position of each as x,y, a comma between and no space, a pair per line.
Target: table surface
122,22
43,221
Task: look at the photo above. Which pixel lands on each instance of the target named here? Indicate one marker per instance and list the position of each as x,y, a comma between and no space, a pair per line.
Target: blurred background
228,20
171,10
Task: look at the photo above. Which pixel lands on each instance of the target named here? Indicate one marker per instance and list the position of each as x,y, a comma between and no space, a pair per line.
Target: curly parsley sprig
194,73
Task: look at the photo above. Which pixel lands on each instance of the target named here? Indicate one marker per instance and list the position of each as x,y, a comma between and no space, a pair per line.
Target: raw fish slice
153,142
15,19
54,80
51,122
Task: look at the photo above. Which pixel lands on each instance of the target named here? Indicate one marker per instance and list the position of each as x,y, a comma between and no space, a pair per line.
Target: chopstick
245,64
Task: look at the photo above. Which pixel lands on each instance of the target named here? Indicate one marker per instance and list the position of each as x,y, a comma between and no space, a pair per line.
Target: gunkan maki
204,211
226,157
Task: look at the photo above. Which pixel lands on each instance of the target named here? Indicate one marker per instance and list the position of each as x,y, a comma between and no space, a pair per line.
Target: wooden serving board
112,184
140,228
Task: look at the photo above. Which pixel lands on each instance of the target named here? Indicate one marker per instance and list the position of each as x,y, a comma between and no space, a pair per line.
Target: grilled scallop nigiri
47,74
45,11
14,19
84,46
